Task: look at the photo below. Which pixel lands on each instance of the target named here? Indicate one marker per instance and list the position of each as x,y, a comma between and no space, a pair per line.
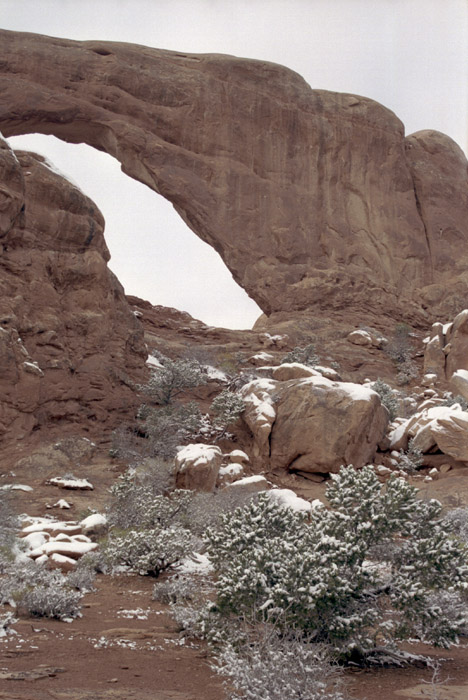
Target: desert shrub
206,509
169,426
173,378
138,502
148,551
274,666
356,577
8,521
227,407
40,592
399,349
410,460
83,575
237,381
387,397
177,589
305,355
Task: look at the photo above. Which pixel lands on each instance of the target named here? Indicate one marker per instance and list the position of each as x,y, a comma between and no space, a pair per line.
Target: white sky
410,55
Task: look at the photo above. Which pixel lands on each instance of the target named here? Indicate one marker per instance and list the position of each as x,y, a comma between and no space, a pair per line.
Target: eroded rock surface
313,424
69,344
314,200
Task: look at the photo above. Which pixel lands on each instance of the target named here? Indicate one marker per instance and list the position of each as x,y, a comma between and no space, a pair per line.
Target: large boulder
314,199
197,467
446,352
313,424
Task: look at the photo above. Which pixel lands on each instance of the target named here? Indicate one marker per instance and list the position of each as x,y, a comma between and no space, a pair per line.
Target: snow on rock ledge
197,467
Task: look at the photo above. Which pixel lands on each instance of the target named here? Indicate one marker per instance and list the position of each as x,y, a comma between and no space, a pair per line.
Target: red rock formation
313,199
69,343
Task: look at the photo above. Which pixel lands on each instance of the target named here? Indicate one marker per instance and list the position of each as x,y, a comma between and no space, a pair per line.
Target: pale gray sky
410,55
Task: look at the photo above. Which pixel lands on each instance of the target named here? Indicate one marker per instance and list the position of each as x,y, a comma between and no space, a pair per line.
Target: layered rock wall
315,200
70,347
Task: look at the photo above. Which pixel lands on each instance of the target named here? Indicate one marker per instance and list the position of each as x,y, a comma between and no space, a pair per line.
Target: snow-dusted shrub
59,602
305,355
410,460
205,509
38,591
273,666
172,378
227,407
457,522
9,525
137,502
399,349
83,575
177,589
387,397
167,427
356,577
149,551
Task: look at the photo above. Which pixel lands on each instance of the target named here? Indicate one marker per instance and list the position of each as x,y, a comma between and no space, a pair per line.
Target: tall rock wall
315,200
69,344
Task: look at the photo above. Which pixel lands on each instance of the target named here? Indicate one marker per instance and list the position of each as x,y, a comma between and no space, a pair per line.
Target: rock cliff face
69,343
315,200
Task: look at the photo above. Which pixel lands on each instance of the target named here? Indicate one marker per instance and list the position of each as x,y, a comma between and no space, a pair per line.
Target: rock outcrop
315,200
446,351
313,424
69,344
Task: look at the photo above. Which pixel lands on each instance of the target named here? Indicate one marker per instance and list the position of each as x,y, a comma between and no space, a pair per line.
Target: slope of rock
69,344
314,199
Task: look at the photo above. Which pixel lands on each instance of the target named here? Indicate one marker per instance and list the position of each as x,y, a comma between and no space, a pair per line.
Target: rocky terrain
349,235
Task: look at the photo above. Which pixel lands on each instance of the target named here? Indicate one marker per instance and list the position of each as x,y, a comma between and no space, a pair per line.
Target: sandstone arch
314,200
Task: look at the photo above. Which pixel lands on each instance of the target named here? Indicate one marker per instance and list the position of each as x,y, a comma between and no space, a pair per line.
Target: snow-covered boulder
74,550
459,381
64,482
321,425
197,467
443,427
238,456
367,338
261,358
94,525
249,484
229,473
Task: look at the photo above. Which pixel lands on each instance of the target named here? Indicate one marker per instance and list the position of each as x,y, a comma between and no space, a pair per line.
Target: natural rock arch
314,200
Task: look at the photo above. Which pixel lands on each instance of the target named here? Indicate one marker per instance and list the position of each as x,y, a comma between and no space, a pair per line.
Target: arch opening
153,252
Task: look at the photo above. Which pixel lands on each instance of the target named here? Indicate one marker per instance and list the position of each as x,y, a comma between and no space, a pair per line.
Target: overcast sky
410,55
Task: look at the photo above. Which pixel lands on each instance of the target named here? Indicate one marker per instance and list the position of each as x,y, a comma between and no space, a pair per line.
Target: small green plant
305,356
410,460
227,407
387,397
